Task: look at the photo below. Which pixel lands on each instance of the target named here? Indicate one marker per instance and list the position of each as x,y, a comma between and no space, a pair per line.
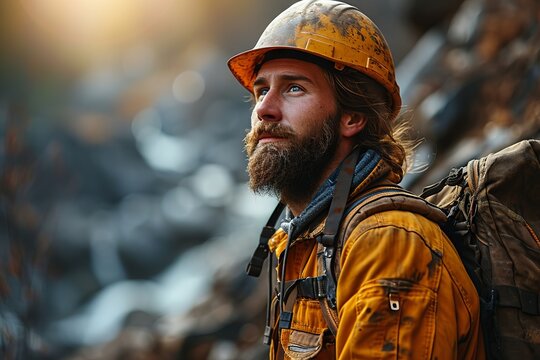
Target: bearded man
323,139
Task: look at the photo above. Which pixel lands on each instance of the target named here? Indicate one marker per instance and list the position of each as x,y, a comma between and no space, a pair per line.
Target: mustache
270,129
265,129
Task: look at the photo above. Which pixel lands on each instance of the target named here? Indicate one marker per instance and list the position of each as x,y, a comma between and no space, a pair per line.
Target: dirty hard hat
331,30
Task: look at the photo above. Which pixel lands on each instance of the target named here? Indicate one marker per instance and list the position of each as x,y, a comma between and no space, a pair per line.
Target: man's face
294,128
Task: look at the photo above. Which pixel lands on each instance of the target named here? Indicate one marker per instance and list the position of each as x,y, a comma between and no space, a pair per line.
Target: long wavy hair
356,92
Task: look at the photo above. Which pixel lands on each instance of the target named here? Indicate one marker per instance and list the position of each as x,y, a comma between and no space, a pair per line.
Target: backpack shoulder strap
387,198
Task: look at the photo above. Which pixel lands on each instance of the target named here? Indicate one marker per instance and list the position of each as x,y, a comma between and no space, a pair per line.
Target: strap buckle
327,240
267,337
320,286
285,319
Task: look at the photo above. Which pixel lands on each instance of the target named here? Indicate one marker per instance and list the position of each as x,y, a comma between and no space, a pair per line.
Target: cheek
254,117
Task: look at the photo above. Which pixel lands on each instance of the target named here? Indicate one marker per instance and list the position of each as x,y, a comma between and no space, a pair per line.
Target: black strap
339,200
331,226
310,288
256,262
268,330
455,177
511,296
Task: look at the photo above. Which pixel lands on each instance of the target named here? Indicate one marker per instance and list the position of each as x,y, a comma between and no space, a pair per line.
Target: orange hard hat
332,30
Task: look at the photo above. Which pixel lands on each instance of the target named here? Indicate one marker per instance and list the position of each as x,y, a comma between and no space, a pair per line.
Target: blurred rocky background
125,220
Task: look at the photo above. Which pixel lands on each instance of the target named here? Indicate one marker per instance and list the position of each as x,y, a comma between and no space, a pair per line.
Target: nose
268,108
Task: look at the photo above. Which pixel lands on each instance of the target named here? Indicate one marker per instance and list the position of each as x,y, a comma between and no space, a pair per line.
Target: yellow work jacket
402,293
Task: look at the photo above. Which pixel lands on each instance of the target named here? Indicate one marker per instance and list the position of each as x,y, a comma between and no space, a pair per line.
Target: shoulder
394,245
406,224
396,219
394,235
390,206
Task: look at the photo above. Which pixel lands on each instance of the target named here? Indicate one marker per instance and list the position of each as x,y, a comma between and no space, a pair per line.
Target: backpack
492,208
488,210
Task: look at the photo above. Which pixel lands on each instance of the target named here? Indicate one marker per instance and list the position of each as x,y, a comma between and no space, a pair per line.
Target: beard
290,169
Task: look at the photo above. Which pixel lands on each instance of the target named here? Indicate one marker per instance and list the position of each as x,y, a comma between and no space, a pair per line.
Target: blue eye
295,88
260,93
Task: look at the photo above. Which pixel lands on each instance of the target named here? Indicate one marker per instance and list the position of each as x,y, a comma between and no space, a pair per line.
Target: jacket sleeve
388,293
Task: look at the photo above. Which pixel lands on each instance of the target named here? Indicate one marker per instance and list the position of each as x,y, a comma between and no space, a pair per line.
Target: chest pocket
308,336
301,345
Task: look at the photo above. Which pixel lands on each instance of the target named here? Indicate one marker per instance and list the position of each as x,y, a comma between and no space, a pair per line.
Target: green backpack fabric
493,209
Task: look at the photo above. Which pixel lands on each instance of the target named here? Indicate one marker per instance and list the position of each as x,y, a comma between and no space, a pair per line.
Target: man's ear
352,123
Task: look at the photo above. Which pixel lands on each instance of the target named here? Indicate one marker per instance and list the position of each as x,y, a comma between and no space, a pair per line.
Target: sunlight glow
87,20
89,30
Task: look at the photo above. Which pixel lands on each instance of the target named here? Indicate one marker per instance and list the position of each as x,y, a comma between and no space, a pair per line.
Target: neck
296,201
295,206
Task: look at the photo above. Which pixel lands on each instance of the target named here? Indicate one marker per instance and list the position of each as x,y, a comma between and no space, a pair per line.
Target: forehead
285,68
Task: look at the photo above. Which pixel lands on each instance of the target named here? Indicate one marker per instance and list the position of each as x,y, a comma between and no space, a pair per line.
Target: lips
266,137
